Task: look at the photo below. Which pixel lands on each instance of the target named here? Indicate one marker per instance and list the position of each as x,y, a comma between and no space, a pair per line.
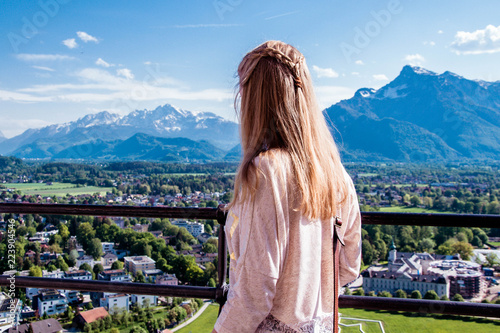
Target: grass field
494,243
399,209
204,323
57,189
393,322
410,322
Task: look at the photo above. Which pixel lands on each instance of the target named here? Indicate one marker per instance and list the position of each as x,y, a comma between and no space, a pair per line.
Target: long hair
279,111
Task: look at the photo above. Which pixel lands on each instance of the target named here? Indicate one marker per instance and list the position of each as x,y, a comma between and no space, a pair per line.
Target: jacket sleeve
255,269
350,254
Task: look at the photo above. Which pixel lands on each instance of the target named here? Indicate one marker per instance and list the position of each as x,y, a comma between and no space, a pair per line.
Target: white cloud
480,41
12,127
329,95
440,32
125,72
98,85
21,97
103,63
325,72
43,68
359,62
380,77
414,59
355,73
430,43
70,43
86,37
43,57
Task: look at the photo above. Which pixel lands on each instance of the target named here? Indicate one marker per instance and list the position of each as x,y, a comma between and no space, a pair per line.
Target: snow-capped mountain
165,121
421,116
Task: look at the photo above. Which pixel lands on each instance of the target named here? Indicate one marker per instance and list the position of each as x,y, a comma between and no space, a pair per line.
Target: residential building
88,317
108,247
143,300
10,310
50,325
80,274
194,228
152,274
108,259
167,280
115,303
139,263
85,259
114,275
51,301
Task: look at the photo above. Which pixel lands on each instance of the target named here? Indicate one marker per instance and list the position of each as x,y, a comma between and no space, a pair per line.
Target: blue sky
62,59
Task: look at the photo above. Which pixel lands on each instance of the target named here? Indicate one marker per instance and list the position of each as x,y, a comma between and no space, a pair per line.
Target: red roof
94,314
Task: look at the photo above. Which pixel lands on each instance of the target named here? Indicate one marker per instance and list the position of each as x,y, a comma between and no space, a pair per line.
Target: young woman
289,188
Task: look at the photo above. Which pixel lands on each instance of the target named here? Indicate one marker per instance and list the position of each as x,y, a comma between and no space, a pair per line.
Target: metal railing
217,293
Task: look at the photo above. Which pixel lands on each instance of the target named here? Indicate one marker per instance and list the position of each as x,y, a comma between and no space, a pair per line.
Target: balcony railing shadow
217,293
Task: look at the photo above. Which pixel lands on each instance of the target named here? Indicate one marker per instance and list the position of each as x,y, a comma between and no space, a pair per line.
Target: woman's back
281,272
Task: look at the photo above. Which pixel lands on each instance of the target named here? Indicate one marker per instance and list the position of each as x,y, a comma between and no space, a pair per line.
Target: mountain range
420,116
103,132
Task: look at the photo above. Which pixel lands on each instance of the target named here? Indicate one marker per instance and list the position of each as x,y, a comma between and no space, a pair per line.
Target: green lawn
204,323
400,209
393,322
57,189
494,243
410,322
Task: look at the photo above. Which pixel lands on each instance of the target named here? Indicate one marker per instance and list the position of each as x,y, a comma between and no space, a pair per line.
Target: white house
51,301
194,228
115,303
142,300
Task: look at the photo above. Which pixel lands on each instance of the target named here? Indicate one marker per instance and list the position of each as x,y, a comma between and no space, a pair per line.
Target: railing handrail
421,219
361,302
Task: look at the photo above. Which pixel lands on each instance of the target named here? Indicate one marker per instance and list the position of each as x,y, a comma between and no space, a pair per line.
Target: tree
86,267
416,294
463,249
139,277
347,291
35,271
94,248
426,245
384,294
97,269
476,241
359,292
431,294
400,293
458,298
492,260
444,298
84,234
367,252
117,265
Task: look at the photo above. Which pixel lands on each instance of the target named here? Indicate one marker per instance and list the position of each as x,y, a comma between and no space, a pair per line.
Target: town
460,264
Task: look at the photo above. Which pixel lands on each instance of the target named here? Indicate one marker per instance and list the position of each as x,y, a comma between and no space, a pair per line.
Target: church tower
392,252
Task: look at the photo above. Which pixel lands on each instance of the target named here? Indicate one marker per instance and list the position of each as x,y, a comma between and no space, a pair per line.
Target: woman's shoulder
273,162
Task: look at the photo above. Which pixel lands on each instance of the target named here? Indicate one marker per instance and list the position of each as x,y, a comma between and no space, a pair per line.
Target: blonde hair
279,111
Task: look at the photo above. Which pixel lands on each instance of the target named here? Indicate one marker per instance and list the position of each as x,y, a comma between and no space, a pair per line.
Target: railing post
222,257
